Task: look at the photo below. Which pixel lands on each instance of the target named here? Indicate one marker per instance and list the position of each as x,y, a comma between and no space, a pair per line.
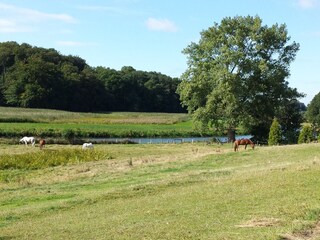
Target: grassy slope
169,191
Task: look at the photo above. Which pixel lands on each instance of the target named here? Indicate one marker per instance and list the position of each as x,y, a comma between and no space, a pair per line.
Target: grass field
163,191
11,114
17,122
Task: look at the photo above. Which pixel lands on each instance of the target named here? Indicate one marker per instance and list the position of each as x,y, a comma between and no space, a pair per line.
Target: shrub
305,135
275,133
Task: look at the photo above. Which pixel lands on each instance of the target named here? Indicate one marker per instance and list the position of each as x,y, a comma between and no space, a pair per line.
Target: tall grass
48,158
10,114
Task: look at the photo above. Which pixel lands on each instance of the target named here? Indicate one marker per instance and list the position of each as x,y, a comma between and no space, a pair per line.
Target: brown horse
243,141
42,143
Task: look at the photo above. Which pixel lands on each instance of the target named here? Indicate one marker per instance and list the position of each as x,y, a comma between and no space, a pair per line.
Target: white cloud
34,15
16,19
308,3
7,26
164,25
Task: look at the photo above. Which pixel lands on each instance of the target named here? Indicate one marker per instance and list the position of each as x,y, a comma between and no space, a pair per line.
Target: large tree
236,75
33,84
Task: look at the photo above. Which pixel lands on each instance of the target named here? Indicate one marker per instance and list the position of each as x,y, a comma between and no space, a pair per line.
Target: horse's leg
245,147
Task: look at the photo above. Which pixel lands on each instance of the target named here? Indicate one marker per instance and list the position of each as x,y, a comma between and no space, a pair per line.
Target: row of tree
307,134
43,78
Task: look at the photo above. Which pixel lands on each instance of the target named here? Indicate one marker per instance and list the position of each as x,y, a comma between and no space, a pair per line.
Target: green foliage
313,111
132,90
290,117
69,134
275,136
33,84
237,75
43,78
306,135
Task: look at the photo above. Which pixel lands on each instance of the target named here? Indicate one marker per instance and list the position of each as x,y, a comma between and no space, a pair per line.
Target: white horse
27,140
87,146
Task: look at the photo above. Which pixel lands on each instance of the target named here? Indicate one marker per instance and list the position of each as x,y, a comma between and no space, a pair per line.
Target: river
222,139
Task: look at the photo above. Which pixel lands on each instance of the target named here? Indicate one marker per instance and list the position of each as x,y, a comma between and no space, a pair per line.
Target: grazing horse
87,146
42,143
27,140
243,141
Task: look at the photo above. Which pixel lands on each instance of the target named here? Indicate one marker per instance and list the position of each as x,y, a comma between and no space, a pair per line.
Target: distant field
15,122
161,191
97,130
8,114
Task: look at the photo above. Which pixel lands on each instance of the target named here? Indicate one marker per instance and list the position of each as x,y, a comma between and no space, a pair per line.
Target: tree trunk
231,135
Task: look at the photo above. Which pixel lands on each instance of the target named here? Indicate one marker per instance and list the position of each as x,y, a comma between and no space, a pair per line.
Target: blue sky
149,35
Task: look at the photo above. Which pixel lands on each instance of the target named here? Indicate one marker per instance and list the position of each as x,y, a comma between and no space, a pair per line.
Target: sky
149,35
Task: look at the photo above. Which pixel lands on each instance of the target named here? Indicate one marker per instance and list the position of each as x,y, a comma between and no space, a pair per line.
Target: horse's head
251,143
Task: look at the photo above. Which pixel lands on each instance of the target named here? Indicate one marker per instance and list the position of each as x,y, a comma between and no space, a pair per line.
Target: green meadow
17,122
160,191
11,114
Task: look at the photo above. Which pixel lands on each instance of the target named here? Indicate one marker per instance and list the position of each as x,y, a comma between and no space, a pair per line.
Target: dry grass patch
261,222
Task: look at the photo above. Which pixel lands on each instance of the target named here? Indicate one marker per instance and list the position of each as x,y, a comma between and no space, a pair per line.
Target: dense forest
36,77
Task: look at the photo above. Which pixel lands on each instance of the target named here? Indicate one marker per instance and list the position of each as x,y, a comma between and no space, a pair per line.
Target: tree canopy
313,111
43,78
237,73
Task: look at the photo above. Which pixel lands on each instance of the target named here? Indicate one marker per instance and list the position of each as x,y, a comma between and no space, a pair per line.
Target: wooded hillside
36,77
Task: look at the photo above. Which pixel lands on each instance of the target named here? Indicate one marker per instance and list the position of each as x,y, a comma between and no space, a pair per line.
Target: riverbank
64,127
